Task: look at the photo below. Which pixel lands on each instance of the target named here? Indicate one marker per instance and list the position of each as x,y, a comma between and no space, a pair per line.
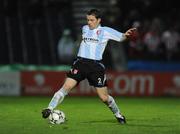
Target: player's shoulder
85,27
107,29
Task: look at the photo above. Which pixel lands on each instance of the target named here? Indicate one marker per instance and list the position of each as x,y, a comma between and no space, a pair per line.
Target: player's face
92,21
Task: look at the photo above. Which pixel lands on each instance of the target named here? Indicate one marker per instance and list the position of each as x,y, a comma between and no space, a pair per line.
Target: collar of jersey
96,27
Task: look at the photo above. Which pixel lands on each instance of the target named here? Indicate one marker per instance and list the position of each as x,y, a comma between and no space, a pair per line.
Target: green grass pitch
88,115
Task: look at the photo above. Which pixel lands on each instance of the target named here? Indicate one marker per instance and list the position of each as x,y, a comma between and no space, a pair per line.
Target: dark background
30,29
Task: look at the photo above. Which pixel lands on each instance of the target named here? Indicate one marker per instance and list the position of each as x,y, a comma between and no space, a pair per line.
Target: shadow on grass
145,125
129,123
101,121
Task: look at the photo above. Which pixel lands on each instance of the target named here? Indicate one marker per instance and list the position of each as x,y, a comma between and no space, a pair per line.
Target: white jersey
94,41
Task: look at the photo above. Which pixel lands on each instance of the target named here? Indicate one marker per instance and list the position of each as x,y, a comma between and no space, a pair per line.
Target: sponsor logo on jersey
98,32
90,40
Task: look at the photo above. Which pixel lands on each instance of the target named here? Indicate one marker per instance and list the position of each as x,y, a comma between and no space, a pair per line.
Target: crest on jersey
98,32
74,71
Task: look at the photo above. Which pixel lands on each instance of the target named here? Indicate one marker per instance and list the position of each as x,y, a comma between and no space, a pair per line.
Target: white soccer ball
57,117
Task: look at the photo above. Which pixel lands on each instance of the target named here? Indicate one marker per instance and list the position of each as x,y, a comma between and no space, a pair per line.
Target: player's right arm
113,34
80,37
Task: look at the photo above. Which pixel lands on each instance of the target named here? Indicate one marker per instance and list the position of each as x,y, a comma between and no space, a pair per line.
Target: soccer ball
57,117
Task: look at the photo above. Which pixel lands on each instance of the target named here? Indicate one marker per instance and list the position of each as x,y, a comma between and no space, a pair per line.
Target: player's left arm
131,34
113,34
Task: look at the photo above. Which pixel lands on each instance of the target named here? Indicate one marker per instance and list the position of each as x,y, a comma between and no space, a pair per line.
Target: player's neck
96,27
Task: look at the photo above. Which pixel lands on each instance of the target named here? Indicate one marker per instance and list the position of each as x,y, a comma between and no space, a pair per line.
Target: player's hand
131,34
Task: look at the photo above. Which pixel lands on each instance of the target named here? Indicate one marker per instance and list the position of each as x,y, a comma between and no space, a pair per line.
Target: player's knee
104,98
67,86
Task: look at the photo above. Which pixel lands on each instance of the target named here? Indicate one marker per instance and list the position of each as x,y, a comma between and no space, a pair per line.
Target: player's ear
99,20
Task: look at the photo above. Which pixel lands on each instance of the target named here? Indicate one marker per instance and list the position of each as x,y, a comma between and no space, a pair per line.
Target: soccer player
88,64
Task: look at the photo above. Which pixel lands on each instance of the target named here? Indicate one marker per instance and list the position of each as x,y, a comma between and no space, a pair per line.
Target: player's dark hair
95,12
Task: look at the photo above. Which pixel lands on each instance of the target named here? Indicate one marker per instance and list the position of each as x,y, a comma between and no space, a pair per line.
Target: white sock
57,98
113,106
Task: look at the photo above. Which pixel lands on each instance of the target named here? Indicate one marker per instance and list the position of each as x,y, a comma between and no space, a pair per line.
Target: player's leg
74,76
97,78
62,92
59,96
110,102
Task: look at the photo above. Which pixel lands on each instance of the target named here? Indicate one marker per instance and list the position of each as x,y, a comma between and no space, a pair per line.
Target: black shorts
92,70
